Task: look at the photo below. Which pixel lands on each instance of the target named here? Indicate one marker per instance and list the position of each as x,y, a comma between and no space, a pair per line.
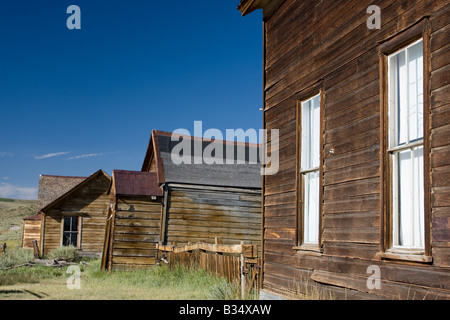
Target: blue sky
75,101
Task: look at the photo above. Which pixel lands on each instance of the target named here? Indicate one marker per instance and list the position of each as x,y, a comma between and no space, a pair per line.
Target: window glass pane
311,208
405,199
310,153
410,219
75,224
73,239
406,95
315,132
306,136
418,201
66,238
415,86
67,224
402,99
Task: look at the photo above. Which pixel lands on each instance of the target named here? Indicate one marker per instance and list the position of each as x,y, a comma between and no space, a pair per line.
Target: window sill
405,255
309,248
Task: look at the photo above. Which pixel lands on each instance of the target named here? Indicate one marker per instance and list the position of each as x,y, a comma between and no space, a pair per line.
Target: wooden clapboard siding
201,214
89,202
440,136
135,232
31,231
327,42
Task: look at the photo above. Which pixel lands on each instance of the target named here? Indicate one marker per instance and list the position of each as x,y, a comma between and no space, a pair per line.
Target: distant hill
6,203
12,212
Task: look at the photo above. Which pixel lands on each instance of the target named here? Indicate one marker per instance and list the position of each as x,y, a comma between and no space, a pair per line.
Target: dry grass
158,283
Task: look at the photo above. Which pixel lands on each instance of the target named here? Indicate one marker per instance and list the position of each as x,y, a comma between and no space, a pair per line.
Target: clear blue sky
75,101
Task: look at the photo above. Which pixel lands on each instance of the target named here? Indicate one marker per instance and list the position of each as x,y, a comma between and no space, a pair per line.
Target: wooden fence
236,263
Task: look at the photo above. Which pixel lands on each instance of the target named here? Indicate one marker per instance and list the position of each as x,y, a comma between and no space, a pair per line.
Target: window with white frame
406,145
310,165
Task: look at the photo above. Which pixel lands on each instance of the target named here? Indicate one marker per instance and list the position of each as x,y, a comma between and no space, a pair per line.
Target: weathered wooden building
185,202
31,231
206,198
76,216
360,93
50,189
134,221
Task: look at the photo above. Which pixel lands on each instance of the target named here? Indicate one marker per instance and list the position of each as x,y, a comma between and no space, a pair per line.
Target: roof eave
154,151
247,6
269,6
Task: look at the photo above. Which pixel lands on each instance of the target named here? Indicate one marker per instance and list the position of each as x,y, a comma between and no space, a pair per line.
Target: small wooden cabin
206,200
360,93
31,231
78,216
50,189
134,221
168,203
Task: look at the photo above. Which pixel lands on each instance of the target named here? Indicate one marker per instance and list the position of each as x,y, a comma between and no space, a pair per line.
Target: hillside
12,212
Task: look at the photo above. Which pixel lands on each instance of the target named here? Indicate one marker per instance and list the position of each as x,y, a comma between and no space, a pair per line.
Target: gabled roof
53,187
135,183
268,6
75,188
158,159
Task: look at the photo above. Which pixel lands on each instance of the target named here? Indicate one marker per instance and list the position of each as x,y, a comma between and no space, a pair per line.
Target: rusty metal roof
136,183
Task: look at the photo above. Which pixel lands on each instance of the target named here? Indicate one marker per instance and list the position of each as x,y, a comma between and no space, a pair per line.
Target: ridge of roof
237,143
65,177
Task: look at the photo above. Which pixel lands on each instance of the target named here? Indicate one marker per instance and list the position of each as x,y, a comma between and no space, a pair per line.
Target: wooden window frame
78,246
420,30
305,95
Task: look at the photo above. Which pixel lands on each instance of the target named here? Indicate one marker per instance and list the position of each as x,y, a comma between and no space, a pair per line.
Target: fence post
243,289
36,249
